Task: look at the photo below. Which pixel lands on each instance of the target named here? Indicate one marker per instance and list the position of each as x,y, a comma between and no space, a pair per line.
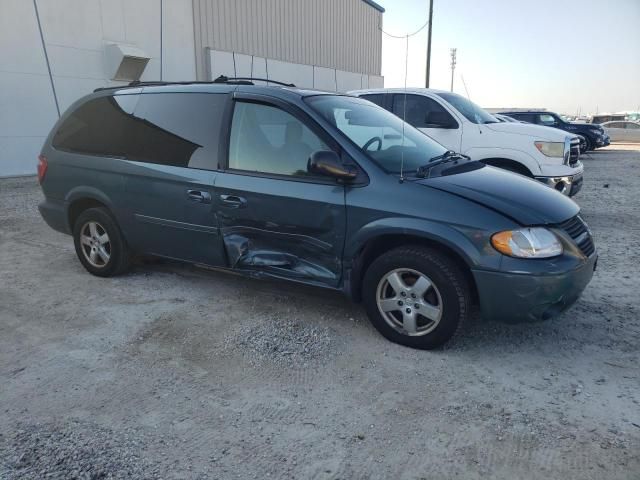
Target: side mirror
439,120
326,162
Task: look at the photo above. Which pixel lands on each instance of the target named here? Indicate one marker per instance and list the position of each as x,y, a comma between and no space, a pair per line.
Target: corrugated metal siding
340,34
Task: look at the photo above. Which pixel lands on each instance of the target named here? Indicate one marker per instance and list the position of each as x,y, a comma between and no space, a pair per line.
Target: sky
569,56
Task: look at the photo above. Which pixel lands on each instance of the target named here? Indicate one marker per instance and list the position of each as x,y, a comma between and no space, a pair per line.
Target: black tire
118,253
589,145
451,284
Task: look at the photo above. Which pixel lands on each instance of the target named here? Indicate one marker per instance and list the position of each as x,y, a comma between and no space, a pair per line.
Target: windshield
377,132
470,110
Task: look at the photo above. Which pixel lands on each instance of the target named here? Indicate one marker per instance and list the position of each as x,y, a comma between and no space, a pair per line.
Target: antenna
468,96
406,62
465,86
404,109
453,64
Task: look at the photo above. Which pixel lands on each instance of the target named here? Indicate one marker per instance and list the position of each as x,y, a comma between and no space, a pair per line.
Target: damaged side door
275,217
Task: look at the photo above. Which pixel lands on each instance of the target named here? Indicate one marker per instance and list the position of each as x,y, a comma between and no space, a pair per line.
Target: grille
579,232
574,152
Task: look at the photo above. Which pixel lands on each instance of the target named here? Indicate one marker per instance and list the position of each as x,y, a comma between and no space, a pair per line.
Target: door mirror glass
327,162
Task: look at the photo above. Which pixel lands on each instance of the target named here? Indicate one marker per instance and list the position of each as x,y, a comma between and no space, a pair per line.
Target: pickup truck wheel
589,144
416,296
99,243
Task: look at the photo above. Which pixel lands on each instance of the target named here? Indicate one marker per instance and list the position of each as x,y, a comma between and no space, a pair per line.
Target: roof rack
220,79
248,80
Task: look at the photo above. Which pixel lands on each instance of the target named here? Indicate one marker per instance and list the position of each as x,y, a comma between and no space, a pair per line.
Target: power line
405,35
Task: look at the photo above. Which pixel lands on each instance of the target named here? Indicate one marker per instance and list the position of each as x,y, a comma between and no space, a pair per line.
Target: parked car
551,156
506,118
322,189
607,117
594,135
623,131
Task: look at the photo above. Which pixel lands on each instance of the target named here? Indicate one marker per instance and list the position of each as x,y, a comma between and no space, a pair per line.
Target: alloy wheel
95,244
409,302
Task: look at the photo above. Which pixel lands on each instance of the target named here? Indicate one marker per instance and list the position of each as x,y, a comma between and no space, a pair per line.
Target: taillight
42,167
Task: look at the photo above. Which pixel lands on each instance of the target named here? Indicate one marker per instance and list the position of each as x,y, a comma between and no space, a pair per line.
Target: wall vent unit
125,62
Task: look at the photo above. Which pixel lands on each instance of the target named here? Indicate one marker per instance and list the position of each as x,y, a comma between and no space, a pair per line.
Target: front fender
457,239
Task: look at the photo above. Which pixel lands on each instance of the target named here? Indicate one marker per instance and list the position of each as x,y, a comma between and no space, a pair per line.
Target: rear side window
98,127
420,111
178,129
377,98
525,117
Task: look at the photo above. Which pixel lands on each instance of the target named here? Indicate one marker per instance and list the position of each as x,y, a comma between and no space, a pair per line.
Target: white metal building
55,51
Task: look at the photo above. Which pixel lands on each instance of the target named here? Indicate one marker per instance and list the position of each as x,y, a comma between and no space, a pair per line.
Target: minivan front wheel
416,296
99,243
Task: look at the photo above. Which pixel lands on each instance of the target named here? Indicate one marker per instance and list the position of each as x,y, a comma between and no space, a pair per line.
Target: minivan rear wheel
100,245
416,296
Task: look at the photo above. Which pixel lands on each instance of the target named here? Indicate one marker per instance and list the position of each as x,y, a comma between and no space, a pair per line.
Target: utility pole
429,43
453,64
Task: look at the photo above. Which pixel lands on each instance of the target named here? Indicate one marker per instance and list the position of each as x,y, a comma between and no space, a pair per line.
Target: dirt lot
176,372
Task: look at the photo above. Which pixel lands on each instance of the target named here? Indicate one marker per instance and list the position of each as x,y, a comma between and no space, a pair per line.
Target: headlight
534,242
597,131
551,149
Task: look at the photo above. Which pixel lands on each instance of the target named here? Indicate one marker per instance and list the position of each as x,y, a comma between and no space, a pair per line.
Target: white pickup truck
544,153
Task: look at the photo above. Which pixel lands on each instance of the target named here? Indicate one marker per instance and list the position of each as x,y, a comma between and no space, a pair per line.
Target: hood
538,131
526,201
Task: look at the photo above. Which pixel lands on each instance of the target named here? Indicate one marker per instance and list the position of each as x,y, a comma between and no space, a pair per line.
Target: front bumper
521,297
567,185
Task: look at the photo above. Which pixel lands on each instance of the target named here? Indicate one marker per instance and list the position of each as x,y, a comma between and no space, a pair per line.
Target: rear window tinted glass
98,127
525,117
377,98
179,129
421,111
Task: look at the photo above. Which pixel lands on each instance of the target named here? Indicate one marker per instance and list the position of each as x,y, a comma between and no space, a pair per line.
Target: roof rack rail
135,83
249,80
220,79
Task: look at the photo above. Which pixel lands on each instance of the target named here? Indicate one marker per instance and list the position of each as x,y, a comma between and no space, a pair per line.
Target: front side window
470,110
266,139
381,135
422,112
547,120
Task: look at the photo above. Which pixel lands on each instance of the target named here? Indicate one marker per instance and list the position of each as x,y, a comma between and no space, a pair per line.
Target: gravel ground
175,372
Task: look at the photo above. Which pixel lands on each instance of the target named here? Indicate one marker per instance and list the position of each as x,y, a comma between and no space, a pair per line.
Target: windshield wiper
448,156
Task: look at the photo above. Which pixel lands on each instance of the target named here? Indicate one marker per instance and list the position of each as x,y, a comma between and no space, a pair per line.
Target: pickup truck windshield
470,110
377,132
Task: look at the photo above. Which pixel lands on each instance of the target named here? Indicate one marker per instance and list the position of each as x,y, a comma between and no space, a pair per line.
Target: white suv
544,153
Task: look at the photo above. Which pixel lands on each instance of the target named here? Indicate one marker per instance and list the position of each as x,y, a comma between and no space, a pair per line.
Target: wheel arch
376,246
509,164
80,199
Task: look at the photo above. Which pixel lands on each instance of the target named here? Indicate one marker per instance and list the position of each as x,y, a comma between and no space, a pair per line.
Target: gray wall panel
339,34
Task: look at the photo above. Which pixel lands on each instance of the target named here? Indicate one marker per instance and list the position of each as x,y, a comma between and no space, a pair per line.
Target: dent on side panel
290,254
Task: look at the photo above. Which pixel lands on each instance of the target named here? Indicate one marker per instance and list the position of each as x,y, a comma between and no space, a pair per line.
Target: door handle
199,196
233,201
